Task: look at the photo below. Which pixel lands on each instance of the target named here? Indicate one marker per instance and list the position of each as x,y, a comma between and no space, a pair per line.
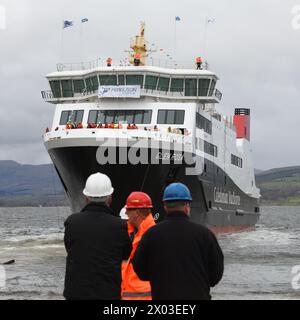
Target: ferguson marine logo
226,197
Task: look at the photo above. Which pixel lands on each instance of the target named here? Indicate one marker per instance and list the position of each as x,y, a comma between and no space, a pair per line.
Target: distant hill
257,171
25,185
280,186
30,185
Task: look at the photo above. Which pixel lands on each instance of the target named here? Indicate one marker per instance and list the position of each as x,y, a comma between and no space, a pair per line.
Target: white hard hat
98,186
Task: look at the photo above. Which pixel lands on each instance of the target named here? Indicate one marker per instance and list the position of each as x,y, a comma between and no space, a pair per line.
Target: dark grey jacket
96,242
181,259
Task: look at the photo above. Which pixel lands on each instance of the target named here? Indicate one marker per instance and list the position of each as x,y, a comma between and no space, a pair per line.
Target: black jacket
181,259
96,242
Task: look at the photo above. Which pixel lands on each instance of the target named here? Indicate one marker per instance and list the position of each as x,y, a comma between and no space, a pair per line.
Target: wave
263,237
29,241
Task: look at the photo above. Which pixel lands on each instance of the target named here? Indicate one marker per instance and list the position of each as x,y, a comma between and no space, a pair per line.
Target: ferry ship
146,126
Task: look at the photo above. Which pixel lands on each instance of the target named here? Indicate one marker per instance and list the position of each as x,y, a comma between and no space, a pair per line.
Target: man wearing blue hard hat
181,259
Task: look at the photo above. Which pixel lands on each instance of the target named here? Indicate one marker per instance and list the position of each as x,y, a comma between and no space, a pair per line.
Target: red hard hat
139,200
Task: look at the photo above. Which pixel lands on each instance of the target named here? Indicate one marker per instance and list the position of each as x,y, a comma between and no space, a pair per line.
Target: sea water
258,264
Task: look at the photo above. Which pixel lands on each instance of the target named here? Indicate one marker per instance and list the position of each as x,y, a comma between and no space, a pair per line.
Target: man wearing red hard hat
138,209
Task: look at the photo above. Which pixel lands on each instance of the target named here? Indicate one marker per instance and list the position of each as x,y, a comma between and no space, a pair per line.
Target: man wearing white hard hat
96,241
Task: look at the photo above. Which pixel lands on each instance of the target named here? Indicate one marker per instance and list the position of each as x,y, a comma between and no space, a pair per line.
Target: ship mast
138,45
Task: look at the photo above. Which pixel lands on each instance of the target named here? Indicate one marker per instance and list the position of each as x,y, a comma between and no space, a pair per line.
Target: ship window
151,82
116,116
210,149
121,80
95,83
191,87
55,87
89,85
170,117
203,123
177,85
108,80
93,117
110,116
139,116
147,116
236,161
120,116
79,86
163,84
134,80
203,87
75,117
212,87
96,116
67,88
130,117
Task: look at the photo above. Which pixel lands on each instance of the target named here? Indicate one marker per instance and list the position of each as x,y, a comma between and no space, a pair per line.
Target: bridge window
212,87
79,86
151,82
191,87
95,83
116,116
108,80
75,117
67,88
163,84
136,80
203,87
177,85
170,117
55,87
121,80
92,84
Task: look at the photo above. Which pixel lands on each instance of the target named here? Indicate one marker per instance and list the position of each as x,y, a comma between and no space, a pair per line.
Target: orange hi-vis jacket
132,287
138,56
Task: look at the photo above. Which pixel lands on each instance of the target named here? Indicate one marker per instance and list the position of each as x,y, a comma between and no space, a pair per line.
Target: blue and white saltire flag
84,20
177,18
68,23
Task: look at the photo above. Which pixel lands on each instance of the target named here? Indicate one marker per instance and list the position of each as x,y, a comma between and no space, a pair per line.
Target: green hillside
29,185
280,186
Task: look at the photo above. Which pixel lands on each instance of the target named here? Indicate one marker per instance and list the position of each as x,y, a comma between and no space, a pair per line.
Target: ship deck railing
98,63
118,134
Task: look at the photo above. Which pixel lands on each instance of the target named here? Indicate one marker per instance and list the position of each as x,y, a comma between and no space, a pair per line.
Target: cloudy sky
253,46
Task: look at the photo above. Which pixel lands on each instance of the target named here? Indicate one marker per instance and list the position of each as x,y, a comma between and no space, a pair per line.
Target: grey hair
99,200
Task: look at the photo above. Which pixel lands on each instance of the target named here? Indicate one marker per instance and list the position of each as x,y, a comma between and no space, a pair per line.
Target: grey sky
252,47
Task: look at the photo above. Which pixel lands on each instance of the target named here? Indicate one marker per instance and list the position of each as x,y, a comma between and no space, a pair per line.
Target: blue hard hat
177,192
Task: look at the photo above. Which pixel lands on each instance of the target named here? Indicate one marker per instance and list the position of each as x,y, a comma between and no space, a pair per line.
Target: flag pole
62,42
175,39
205,37
81,40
